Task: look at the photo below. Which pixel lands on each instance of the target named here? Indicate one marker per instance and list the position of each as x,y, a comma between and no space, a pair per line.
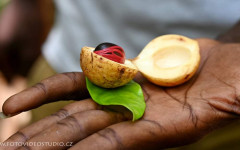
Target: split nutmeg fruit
168,60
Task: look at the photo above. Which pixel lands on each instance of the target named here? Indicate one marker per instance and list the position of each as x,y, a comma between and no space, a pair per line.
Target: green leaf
129,96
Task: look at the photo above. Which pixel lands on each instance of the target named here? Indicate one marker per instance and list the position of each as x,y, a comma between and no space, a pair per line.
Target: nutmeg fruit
105,72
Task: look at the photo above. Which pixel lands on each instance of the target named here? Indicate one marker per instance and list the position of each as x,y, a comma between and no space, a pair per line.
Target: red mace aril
111,51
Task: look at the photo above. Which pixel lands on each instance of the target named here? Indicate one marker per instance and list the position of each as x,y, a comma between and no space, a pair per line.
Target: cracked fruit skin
169,60
111,51
104,72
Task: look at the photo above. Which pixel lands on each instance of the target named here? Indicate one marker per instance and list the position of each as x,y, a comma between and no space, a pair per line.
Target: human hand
174,116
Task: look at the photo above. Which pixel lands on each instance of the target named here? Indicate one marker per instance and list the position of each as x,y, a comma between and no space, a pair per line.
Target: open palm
174,116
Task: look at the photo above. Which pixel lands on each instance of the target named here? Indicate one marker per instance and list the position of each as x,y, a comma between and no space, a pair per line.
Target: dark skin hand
174,116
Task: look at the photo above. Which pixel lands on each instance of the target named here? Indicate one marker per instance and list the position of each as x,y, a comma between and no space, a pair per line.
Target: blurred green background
3,3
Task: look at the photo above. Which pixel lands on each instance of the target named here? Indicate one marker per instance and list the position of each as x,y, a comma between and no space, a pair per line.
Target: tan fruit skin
104,72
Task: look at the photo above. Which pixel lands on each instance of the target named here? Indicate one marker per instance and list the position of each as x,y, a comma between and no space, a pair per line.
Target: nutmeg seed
111,51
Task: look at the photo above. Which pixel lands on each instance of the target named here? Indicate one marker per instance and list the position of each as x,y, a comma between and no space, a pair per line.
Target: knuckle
111,136
73,76
41,86
72,123
62,113
19,136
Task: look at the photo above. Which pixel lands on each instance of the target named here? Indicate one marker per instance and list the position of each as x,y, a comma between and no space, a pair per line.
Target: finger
35,128
76,127
59,87
125,135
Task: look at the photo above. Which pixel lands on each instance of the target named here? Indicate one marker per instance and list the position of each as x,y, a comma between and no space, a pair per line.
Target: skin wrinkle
155,124
74,77
79,92
233,104
229,85
111,136
225,100
192,115
207,101
41,87
212,108
146,94
217,107
236,110
236,77
62,113
238,99
176,130
170,95
22,135
71,122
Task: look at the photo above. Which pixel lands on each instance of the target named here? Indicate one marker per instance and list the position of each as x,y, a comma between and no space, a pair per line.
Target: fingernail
3,116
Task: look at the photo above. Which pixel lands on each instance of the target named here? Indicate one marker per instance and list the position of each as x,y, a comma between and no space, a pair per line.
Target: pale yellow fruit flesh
104,72
169,60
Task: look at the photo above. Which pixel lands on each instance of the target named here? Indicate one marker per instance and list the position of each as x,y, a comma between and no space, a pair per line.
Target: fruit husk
168,49
104,72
